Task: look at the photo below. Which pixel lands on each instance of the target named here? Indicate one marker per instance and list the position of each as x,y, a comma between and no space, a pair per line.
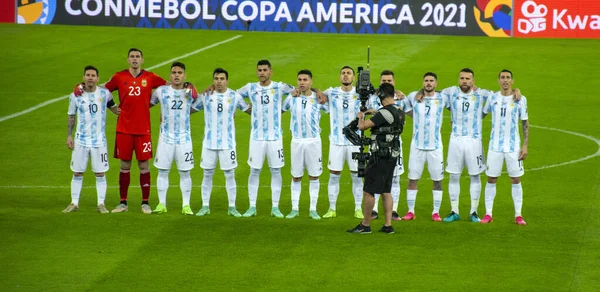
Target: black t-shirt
380,121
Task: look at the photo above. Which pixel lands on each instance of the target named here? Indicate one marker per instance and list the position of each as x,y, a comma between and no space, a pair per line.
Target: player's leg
100,166
276,161
357,182
314,165
297,148
335,165
256,157
165,153
79,161
124,151
396,188
208,162
475,165
228,162
495,161
435,165
143,153
456,161
416,163
515,169
184,157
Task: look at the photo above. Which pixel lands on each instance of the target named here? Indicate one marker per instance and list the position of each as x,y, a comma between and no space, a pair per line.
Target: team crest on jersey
144,83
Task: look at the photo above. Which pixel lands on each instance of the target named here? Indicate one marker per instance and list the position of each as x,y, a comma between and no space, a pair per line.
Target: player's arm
70,126
320,95
243,105
525,128
155,98
112,106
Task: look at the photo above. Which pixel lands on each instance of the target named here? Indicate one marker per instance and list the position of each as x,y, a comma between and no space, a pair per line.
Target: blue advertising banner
447,17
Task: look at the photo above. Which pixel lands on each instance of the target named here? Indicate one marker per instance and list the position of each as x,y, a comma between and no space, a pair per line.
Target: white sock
357,190
475,192
333,189
437,201
101,189
185,183
162,185
275,186
376,205
296,189
411,197
490,194
454,191
230,187
76,183
517,194
207,185
395,192
253,182
314,187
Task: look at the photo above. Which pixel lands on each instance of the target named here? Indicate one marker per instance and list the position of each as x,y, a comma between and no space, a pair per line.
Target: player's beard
465,88
429,90
346,83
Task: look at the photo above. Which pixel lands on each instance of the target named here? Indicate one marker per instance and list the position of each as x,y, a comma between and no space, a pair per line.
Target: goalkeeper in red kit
135,87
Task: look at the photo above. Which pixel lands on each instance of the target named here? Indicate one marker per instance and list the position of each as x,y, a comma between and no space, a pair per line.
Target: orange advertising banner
556,18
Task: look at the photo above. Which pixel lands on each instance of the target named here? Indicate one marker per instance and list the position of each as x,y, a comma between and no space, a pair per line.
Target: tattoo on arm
525,132
71,125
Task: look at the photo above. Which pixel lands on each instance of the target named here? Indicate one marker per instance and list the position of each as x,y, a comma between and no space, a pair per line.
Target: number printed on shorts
479,159
189,157
147,147
104,157
280,153
134,90
232,156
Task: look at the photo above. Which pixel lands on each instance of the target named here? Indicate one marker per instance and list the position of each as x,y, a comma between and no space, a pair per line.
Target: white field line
597,141
43,104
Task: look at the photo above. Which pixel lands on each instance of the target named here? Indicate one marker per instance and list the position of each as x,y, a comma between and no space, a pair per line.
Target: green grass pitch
42,249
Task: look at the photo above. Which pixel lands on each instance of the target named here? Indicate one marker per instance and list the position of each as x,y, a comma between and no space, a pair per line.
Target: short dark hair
305,71
386,90
264,62
347,67
221,71
468,70
135,50
178,64
387,72
430,74
90,67
507,71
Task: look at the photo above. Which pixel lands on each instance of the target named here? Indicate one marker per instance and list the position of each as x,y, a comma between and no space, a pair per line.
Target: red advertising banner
7,11
556,18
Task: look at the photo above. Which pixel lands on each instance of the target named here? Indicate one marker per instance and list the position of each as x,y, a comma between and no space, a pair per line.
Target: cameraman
386,127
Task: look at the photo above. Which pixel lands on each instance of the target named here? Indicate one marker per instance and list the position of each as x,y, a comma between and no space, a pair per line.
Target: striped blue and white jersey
466,111
266,108
90,109
175,106
306,115
427,120
219,110
506,114
343,107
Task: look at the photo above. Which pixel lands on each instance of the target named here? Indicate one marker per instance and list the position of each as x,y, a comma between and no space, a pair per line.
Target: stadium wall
493,18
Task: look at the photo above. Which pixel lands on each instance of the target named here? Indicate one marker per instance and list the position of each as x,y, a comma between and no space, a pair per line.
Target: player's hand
475,87
399,95
516,94
295,92
523,154
118,110
208,90
321,96
78,89
360,115
190,89
70,143
420,95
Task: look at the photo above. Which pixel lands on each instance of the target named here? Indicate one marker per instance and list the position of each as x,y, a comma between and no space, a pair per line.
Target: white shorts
465,150
306,153
184,157
338,154
227,158
399,170
433,158
272,149
495,160
81,155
